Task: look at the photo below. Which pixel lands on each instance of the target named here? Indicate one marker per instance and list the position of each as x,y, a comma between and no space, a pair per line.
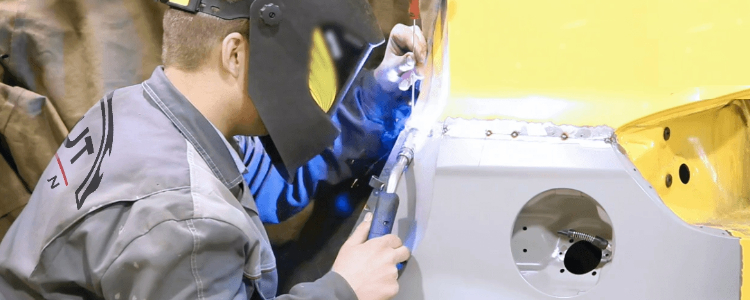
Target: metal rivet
564,136
514,134
667,133
669,180
488,133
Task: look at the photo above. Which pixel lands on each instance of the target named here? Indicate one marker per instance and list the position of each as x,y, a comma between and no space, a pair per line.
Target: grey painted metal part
481,213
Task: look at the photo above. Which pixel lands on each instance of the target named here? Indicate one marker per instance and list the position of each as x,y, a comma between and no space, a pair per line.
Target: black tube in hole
582,257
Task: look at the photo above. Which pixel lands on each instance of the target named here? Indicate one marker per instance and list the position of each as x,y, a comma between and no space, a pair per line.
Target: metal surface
582,64
592,63
464,196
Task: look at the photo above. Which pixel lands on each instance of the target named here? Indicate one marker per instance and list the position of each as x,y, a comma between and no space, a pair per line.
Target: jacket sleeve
370,120
329,287
198,259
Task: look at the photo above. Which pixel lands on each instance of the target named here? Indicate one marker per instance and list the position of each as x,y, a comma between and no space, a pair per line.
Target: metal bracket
376,183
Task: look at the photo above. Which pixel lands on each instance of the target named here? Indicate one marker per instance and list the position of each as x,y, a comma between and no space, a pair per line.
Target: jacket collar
204,137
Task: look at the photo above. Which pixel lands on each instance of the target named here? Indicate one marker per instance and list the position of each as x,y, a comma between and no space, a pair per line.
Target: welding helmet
304,55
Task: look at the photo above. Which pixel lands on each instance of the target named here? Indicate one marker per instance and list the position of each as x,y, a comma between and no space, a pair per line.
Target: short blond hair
189,38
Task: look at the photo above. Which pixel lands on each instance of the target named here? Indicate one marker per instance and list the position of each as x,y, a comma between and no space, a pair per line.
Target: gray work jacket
145,201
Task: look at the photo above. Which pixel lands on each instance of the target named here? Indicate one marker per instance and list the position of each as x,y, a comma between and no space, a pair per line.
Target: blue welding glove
370,120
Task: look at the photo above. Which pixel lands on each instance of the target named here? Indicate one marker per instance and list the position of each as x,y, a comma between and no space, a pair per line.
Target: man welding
145,199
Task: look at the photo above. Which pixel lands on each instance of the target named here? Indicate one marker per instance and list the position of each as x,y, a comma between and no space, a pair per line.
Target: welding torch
384,214
387,204
385,210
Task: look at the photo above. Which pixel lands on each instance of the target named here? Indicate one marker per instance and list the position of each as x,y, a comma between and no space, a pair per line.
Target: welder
145,199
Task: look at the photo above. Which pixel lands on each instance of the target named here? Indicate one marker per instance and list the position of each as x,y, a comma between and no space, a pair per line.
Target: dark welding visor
304,56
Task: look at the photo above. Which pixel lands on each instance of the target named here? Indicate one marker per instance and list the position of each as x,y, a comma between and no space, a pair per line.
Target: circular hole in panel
543,216
582,257
524,250
684,173
668,180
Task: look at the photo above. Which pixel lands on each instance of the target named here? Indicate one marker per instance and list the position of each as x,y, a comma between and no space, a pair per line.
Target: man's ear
233,54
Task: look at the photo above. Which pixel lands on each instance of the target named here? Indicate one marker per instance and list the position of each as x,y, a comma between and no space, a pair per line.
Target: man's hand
402,58
370,266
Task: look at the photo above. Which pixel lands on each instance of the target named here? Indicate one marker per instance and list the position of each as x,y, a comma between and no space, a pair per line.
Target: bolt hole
593,273
684,173
524,228
571,240
562,270
667,133
524,250
669,180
